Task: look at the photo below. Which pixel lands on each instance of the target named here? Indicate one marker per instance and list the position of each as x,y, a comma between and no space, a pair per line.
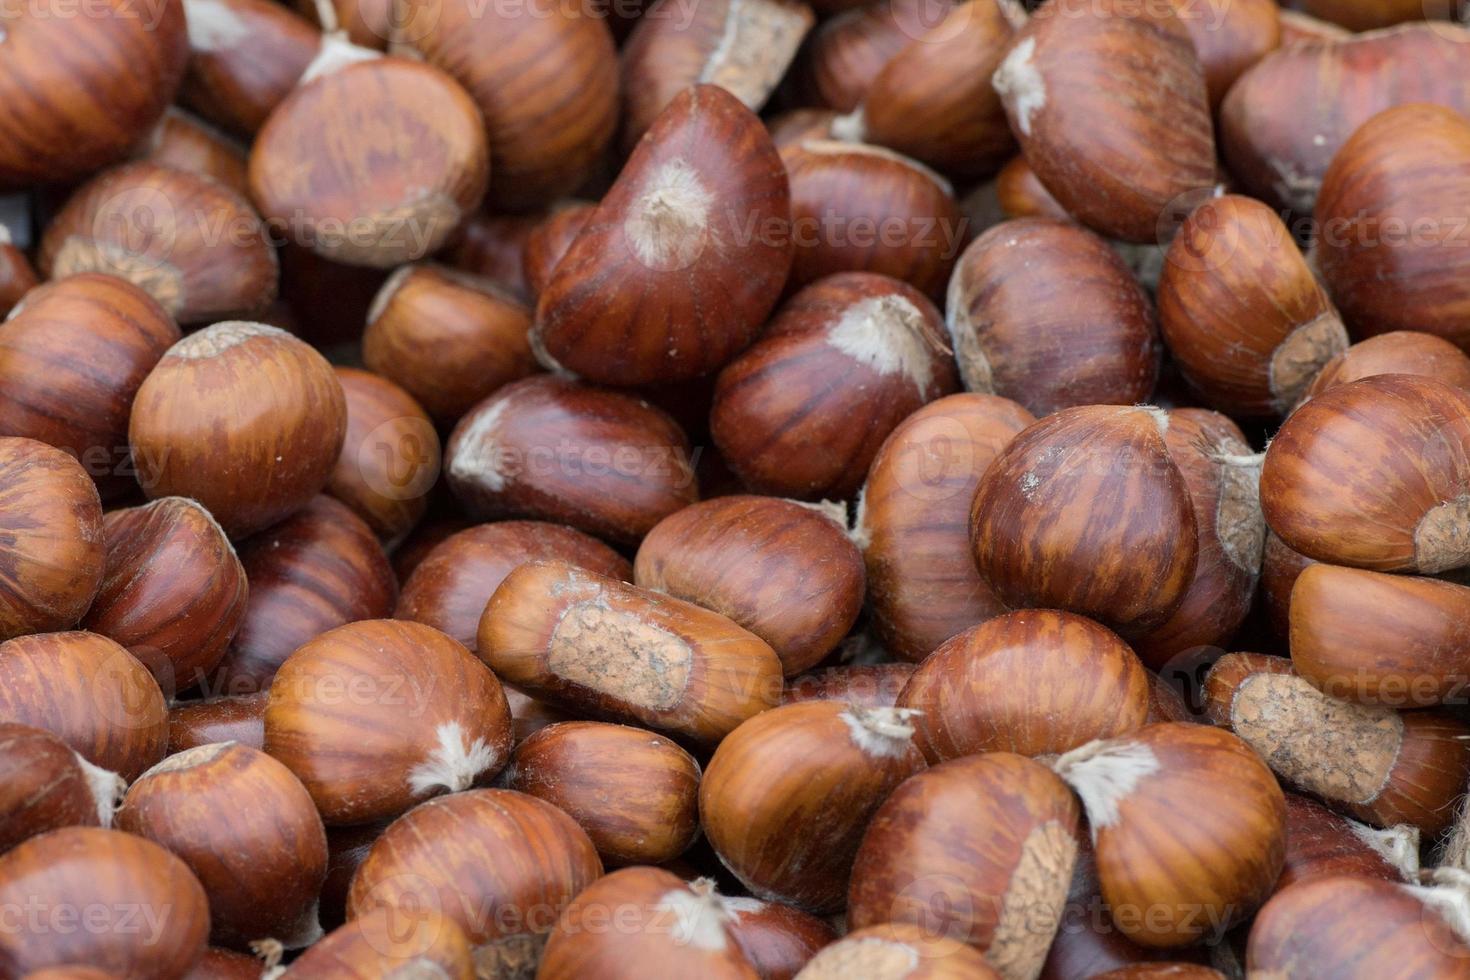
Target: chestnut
52,556
682,262
174,591
1020,193
978,850
875,950
913,520
184,142
425,538
1395,352
492,246
550,448
449,588
448,338
1045,312
1039,537
145,913
248,830
547,243
375,716
45,785
245,57
803,412
499,864
90,693
636,794
1229,37
347,848
777,939
848,50
1189,827
785,571
592,644
386,943
17,274
193,244
1032,682
275,400
1321,844
239,719
1297,27
1280,568
860,685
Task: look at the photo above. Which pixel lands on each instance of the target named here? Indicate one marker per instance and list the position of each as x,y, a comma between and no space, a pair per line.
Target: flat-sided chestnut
804,411
978,850
187,143
548,242
1395,352
388,943
1041,538
45,785
595,645
679,267
239,719
916,951
547,447
245,57
375,716
1321,844
1046,313
777,939
248,830
52,554
860,685
245,419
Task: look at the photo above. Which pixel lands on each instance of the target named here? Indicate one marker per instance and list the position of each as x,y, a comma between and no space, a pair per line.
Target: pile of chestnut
849,490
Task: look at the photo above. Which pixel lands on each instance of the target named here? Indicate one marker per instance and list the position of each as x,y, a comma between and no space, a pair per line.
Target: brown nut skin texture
1371,474
277,401
1280,568
1243,315
492,246
80,92
449,588
636,794
1395,352
848,51
239,719
42,786
1230,37
1406,167
104,869
870,187
448,338
604,649
530,450
1287,117
236,80
174,592
347,848
913,521
185,142
421,703
1045,313
248,830
383,943
90,693
952,845
1321,844
877,947
500,864
804,411
17,277
52,551
547,243
1033,682
777,939
224,964
545,81
71,361
861,685
1134,136
786,572
1021,194
319,569
664,283
160,229
787,796
316,162
1353,929
1043,537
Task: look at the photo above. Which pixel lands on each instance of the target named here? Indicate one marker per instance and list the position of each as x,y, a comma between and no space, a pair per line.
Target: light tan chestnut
596,645
978,850
45,785
1395,352
897,949
375,716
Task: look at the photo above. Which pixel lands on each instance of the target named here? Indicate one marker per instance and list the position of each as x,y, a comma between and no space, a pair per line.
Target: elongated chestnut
501,865
550,448
276,399
1244,317
770,779
145,912
1395,352
375,716
51,550
1038,541
1374,474
1046,313
245,57
1321,844
636,794
854,346
694,235
595,645
386,943
1081,682
185,142
860,685
1119,165
45,785
1405,768
239,719
89,692
248,830
917,951
784,571
547,243
978,850
1189,827
778,940
449,338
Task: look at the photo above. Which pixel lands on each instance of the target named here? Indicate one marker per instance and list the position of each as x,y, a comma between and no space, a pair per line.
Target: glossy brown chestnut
850,49
389,943
1280,567
1021,194
229,719
45,785
777,939
1321,844
375,716
492,246
1396,352
184,142
860,685
424,539
1229,37
874,950
347,848
245,57
279,405
548,242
